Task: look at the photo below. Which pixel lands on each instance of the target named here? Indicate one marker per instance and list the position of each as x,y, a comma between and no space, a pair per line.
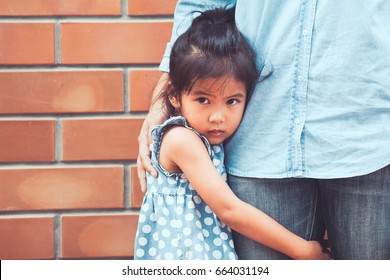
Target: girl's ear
175,102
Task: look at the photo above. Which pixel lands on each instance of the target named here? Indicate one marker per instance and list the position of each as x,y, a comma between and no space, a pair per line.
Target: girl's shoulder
176,131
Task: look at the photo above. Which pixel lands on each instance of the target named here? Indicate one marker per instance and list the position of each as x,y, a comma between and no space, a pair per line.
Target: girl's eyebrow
235,95
200,92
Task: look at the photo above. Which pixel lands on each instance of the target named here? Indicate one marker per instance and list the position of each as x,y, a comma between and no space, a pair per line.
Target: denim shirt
325,110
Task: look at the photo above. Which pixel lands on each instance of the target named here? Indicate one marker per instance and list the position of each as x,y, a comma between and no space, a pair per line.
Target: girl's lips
216,132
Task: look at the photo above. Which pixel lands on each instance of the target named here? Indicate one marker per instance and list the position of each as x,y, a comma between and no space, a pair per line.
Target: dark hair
212,47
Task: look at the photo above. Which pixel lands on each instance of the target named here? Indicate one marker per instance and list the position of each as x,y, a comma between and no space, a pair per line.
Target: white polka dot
160,200
152,217
162,221
149,179
190,205
179,252
207,209
217,242
200,237
206,246
216,162
224,236
153,189
155,236
198,248
141,218
189,217
205,232
217,254
146,229
216,149
161,244
232,256
180,200
186,231
188,242
190,187
142,241
145,207
179,210
140,253
166,191
208,221
221,224
169,256
166,233
197,199
198,224
179,223
175,242
160,180
165,211
169,200
216,230
171,181
189,255
231,243
180,191
152,251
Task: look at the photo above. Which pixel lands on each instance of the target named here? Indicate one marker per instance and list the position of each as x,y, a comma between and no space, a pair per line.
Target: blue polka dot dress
174,222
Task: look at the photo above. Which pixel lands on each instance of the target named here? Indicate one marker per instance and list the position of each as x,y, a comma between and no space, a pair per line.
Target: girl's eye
232,102
203,100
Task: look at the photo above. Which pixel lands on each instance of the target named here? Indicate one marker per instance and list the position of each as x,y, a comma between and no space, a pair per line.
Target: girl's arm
183,150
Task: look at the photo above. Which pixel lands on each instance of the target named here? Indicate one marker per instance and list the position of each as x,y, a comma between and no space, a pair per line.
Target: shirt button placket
299,94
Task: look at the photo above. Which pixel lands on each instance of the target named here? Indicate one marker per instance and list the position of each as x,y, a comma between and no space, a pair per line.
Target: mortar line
57,237
58,140
57,42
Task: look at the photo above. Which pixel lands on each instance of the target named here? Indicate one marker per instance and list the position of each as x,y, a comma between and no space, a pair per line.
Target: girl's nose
217,117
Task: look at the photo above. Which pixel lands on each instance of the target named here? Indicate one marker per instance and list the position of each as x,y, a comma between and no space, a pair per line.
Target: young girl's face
214,107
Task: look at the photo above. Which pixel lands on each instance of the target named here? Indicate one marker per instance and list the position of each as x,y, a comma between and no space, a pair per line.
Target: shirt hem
312,175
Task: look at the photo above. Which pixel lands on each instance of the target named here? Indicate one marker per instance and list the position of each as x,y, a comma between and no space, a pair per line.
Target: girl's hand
315,251
155,117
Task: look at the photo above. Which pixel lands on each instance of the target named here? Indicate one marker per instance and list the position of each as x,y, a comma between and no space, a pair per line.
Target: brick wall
75,82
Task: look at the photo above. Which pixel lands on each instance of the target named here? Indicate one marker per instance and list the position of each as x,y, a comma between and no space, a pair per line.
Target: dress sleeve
184,14
158,134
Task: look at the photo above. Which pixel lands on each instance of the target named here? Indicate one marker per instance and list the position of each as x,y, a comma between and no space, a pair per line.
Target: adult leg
292,202
357,215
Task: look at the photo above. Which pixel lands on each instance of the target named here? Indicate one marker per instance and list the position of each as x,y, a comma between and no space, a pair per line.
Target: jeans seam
313,218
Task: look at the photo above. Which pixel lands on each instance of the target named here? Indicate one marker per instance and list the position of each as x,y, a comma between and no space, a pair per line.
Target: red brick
26,238
113,42
60,8
27,140
61,91
27,43
98,236
142,83
100,139
61,188
136,194
151,7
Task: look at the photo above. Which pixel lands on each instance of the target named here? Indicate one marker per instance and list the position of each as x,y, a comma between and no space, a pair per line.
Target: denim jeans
355,211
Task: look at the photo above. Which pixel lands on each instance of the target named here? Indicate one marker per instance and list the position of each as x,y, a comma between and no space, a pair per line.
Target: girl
188,209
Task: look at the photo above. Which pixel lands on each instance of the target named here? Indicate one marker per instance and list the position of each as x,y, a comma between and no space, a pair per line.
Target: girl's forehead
219,84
